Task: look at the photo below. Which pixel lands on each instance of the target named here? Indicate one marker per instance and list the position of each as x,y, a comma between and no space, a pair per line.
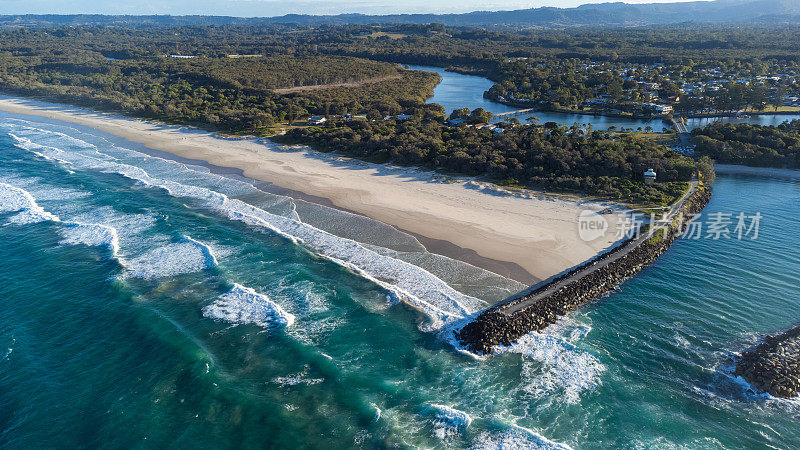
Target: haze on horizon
267,8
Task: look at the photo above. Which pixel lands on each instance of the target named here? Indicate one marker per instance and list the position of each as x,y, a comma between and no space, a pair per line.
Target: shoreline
775,172
506,322
533,109
528,238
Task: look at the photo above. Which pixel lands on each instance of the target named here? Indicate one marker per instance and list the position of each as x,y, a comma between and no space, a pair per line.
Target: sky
265,8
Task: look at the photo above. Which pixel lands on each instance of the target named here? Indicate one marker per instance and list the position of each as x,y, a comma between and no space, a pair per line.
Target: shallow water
148,302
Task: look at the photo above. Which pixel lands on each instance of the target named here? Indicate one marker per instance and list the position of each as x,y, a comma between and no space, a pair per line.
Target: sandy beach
477,222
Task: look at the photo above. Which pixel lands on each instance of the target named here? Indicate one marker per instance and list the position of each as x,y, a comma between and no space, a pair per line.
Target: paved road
680,126
517,304
683,132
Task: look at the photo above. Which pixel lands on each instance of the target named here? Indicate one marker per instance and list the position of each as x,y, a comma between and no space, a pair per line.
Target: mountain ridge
593,14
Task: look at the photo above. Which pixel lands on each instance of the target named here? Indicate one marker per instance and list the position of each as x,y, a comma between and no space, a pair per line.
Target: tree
479,115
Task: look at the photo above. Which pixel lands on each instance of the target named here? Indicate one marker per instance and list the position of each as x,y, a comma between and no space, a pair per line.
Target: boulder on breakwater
495,327
774,365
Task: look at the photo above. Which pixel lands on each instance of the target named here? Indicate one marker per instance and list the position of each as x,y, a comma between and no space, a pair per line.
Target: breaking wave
242,305
186,256
15,199
20,201
553,364
447,420
516,437
406,282
93,234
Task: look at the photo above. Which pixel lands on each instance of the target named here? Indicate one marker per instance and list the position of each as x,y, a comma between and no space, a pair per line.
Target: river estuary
148,303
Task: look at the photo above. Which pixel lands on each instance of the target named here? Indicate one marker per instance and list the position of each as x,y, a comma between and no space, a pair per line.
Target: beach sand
527,236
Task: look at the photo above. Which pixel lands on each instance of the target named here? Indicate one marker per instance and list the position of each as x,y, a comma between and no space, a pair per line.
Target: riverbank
742,113
733,169
526,107
535,232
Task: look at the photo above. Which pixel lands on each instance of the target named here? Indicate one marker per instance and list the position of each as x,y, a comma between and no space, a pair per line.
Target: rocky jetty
774,365
495,326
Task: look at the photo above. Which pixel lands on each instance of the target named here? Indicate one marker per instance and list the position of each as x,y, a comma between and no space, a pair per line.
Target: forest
751,145
232,78
543,157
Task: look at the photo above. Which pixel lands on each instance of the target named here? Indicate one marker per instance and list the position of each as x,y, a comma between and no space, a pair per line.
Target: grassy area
669,139
377,34
787,109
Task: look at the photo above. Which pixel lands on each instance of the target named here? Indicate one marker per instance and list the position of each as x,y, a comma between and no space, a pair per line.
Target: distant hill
602,14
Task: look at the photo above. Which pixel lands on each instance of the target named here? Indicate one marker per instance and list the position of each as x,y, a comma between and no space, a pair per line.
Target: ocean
152,302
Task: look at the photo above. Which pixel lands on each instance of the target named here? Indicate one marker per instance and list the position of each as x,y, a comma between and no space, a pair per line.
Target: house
317,120
650,176
657,109
456,121
399,117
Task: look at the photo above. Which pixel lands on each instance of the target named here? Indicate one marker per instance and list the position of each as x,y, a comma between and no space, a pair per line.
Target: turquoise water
148,302
457,91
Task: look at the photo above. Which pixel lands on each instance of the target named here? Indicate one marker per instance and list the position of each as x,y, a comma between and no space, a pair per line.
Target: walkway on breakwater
520,302
540,306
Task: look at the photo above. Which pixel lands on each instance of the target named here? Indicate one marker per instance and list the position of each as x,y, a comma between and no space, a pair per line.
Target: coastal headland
506,322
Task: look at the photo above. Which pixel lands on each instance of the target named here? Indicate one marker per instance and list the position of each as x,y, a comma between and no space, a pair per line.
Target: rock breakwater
498,326
774,365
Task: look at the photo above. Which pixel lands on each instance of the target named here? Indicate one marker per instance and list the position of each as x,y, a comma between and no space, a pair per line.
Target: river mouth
186,319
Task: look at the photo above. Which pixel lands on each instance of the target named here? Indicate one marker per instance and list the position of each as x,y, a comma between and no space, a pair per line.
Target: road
520,303
683,132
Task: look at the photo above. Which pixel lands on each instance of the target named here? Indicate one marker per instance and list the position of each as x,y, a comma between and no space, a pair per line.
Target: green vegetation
210,89
549,158
230,78
751,145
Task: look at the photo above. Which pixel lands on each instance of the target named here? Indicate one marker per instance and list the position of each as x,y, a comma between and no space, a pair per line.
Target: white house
317,120
650,176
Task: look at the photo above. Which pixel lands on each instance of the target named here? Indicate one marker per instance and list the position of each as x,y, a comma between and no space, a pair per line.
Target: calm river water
457,91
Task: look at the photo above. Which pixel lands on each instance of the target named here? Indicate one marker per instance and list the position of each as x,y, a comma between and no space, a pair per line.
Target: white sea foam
186,256
297,379
95,234
560,366
516,437
242,305
447,419
208,255
378,412
14,199
407,282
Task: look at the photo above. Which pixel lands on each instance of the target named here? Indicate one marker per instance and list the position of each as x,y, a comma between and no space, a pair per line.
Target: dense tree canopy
558,159
751,145
233,78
